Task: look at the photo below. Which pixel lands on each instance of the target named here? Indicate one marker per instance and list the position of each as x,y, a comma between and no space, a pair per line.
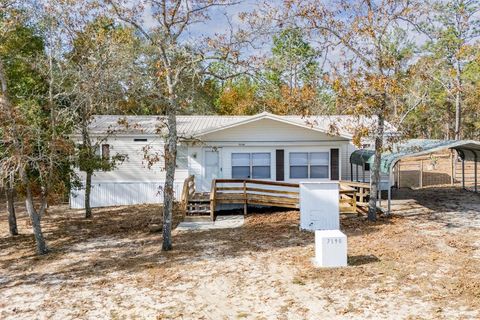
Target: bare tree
365,73
452,28
177,57
35,147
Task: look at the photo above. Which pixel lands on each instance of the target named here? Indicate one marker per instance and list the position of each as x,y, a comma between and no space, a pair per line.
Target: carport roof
467,149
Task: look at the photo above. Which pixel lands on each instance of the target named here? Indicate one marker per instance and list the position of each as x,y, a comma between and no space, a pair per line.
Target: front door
212,167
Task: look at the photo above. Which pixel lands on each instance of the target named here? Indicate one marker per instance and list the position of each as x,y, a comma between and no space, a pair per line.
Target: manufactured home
265,146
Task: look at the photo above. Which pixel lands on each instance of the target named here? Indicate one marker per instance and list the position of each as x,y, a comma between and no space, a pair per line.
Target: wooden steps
199,204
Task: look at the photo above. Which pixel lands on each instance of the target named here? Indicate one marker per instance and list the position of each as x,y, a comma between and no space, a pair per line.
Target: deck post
398,175
463,173
452,168
245,197
380,193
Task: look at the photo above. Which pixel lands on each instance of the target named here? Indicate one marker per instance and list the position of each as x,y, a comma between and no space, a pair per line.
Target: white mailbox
330,249
319,206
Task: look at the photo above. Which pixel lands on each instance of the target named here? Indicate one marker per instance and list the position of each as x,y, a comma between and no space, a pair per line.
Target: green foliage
20,47
294,61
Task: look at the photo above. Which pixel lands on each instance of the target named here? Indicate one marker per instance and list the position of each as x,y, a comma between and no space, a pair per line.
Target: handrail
213,195
188,187
255,181
250,191
362,190
246,194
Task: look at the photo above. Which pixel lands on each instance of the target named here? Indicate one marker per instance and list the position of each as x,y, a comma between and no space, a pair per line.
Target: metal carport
466,149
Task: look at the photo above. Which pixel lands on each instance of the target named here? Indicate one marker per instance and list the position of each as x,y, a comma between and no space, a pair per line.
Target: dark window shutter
334,164
280,165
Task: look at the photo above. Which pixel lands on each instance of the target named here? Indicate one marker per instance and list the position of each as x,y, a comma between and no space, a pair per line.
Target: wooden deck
353,195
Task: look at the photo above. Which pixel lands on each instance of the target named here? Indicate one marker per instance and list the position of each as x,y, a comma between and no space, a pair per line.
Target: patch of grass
299,281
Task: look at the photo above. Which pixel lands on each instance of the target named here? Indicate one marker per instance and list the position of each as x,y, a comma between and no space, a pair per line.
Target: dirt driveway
422,264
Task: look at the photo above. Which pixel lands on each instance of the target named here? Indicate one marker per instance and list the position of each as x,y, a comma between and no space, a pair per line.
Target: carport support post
421,174
380,193
351,170
398,174
363,170
389,191
463,172
475,158
358,180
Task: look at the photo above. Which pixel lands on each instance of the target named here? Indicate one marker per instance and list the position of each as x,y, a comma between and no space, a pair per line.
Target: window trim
250,164
185,157
309,165
105,147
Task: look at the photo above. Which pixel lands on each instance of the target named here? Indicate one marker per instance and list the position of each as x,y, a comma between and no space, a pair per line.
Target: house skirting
108,194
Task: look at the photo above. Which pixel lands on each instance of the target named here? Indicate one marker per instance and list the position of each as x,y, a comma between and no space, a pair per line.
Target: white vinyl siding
267,130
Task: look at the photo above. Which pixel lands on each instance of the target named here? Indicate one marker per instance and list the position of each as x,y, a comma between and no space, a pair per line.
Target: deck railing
362,193
353,195
188,190
250,191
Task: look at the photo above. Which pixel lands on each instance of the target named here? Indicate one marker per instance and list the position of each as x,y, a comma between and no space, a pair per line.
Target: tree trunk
375,179
34,218
12,219
88,190
458,100
170,164
87,144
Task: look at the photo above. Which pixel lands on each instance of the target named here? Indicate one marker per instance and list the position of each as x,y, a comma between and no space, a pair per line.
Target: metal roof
467,149
201,124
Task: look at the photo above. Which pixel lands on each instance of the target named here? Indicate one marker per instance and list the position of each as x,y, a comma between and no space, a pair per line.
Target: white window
103,151
261,165
313,165
251,165
299,165
182,157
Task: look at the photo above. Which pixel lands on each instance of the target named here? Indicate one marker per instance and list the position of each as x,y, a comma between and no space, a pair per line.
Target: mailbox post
320,212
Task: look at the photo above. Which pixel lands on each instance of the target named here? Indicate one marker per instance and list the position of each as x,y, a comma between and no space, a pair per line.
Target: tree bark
89,172
170,164
12,219
34,217
88,190
458,103
375,179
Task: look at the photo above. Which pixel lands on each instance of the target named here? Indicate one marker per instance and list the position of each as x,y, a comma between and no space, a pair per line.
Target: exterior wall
266,136
267,130
131,182
122,193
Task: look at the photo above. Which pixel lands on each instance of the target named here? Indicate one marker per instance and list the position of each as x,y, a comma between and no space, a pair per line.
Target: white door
212,167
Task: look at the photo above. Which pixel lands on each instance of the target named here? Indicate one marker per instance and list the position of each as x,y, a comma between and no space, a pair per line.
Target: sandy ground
422,264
